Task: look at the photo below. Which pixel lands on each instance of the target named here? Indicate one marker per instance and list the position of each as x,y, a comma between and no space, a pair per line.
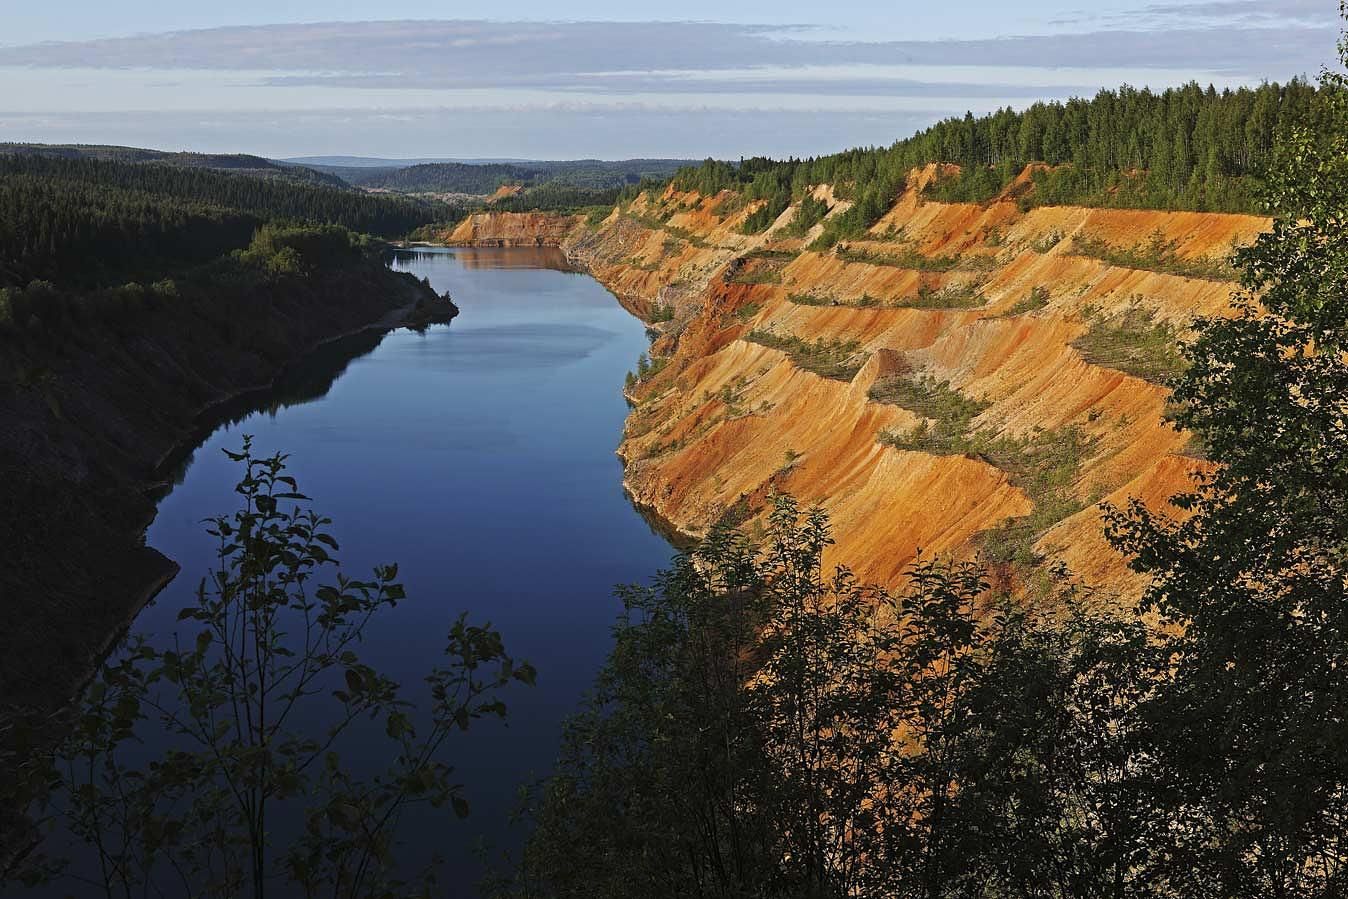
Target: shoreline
677,537
138,571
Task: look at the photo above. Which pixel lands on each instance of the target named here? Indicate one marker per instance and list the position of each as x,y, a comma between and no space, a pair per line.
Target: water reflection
306,381
546,258
480,457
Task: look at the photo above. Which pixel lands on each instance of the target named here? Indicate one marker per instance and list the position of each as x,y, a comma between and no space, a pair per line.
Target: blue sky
612,80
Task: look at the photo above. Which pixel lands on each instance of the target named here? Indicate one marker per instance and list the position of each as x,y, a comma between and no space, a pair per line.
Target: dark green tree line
1182,148
43,316
92,222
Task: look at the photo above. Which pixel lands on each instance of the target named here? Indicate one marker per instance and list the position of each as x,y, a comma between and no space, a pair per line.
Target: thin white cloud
535,52
1249,12
554,132
1218,15
475,88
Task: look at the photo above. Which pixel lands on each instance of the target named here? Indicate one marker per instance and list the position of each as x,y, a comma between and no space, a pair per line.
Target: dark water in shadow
479,457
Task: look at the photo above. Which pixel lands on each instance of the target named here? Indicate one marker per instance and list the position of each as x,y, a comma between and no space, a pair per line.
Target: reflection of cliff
965,378
307,380
549,257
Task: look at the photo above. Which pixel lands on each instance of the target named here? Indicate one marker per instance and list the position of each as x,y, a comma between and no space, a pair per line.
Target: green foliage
964,295
1183,148
646,368
294,250
761,218
1133,342
43,317
443,177
1156,255
591,175
973,184
905,257
556,196
836,359
596,216
1045,464
1036,299
758,274
740,741
952,411
685,235
709,178
89,223
759,267
1249,582
236,163
810,213
1047,242
779,256
264,648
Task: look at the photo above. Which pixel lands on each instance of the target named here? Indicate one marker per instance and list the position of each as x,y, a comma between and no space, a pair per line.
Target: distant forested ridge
239,163
90,222
482,179
442,177
1184,148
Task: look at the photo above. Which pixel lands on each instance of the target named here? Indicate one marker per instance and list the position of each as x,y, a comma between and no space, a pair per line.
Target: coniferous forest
91,221
1182,148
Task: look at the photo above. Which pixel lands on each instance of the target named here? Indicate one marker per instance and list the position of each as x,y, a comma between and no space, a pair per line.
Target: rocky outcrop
511,229
1051,324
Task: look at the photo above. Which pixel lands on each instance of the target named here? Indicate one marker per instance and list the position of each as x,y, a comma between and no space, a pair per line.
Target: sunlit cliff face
1050,350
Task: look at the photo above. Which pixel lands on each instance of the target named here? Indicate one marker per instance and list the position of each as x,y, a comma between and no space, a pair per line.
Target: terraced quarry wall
966,379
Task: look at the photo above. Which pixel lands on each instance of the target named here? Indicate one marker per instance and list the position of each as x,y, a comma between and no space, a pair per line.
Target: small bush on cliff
837,359
1036,299
1157,254
595,216
1133,341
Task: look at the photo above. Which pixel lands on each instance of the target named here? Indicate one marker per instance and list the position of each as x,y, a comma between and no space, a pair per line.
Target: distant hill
237,163
481,178
442,177
378,162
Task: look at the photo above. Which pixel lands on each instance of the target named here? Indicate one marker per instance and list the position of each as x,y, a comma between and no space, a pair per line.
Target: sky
610,80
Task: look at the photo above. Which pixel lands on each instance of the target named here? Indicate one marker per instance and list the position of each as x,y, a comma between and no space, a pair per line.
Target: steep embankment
967,378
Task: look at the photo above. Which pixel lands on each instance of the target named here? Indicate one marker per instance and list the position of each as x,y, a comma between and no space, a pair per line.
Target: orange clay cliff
968,379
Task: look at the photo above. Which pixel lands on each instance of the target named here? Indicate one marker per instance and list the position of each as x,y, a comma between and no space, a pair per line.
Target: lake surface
479,456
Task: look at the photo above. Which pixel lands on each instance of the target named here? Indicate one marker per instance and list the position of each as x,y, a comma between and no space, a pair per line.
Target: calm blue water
479,457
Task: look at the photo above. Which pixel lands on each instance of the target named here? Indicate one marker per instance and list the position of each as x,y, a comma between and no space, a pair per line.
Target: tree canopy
1182,148
90,222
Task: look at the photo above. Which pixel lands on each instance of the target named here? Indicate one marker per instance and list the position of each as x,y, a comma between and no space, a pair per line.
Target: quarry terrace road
479,456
